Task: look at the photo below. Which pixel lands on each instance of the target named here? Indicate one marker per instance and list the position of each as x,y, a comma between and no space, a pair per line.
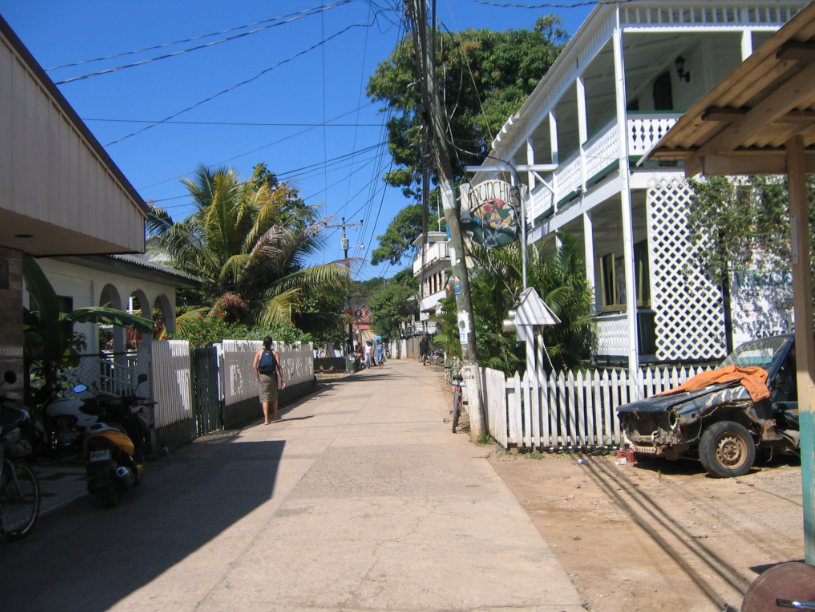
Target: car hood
709,396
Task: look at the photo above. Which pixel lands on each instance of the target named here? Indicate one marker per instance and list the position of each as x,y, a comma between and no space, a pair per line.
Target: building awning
741,125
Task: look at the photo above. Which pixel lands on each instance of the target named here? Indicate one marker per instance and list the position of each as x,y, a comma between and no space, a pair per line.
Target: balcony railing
598,156
435,251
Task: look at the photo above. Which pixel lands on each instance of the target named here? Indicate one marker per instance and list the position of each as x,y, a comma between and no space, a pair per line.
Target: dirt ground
658,535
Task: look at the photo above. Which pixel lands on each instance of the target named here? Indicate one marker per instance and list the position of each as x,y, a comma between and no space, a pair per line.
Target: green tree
485,76
560,280
247,243
390,307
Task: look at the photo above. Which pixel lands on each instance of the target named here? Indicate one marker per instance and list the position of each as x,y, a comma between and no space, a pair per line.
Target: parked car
720,424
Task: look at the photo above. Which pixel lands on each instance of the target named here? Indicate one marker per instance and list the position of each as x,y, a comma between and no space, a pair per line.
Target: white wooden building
624,79
432,266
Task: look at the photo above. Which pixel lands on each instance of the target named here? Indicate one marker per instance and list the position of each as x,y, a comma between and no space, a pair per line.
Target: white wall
85,286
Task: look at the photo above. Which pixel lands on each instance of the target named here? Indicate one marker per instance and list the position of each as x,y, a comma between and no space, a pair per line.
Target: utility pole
344,246
434,122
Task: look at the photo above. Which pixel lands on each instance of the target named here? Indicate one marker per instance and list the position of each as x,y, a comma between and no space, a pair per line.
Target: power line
197,48
241,123
256,149
244,82
296,15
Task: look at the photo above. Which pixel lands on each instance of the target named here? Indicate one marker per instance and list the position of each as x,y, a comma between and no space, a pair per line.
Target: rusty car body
720,424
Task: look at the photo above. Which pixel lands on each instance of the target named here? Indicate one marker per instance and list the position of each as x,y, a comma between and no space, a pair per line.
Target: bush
206,331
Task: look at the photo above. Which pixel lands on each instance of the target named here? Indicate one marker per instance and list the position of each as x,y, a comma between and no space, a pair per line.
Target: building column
530,159
582,125
746,44
625,210
555,154
588,255
804,341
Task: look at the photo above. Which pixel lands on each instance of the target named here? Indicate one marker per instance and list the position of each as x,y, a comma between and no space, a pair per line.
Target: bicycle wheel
456,408
19,500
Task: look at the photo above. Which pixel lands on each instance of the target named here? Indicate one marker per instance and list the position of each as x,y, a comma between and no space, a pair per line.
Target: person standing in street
379,354
368,354
424,348
267,366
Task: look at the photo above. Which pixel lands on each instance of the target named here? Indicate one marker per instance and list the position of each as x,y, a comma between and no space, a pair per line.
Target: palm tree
560,279
247,242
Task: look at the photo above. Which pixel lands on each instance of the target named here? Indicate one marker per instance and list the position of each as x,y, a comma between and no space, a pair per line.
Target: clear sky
326,83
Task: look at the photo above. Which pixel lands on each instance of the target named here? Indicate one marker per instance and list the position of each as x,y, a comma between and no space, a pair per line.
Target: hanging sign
492,218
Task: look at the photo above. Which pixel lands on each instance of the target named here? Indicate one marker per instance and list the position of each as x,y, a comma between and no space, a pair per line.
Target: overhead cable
244,82
276,22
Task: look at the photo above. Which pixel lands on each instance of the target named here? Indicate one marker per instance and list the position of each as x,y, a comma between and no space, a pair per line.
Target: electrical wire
256,149
197,48
244,82
242,123
303,13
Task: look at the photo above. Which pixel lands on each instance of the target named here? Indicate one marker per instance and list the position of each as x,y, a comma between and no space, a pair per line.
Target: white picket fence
568,410
171,381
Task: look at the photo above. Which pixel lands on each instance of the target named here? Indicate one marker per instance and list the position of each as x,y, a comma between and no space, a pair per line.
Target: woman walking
267,366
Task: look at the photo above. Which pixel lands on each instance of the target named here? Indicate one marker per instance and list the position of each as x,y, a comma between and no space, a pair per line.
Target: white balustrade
612,334
569,175
435,251
646,129
542,200
602,150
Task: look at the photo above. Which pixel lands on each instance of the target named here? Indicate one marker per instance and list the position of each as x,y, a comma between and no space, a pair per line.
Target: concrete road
360,499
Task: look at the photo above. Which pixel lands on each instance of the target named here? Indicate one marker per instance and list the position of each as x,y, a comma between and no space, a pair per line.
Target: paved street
360,499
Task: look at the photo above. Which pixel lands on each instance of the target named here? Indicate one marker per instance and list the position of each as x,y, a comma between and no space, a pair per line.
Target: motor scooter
114,447
65,420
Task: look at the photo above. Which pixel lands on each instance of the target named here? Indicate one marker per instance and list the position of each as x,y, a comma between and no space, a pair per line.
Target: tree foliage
390,308
560,280
731,220
247,242
484,77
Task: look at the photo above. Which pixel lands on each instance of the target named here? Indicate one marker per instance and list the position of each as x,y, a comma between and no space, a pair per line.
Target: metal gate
205,398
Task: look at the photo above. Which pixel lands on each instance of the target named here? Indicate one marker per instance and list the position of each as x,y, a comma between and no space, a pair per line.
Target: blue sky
321,84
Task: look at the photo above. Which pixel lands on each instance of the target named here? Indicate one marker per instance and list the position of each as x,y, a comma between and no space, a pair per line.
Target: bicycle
19,488
458,403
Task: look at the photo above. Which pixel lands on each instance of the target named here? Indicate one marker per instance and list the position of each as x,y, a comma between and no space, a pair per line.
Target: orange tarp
754,379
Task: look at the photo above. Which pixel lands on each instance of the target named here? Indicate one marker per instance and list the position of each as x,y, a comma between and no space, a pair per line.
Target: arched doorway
111,338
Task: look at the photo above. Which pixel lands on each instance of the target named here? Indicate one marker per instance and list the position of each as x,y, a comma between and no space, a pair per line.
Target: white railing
646,129
541,200
434,252
612,334
719,14
569,175
568,410
602,150
171,382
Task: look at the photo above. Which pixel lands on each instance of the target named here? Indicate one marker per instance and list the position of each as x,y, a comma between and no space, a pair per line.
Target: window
608,290
642,274
66,303
663,97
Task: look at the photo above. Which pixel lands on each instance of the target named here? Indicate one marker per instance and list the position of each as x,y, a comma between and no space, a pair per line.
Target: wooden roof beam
781,101
728,115
751,163
793,50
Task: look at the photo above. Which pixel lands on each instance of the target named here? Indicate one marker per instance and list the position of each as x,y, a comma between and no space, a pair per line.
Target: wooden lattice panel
689,315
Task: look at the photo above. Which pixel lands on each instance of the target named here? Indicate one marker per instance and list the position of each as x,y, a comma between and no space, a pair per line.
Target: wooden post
582,125
588,252
804,340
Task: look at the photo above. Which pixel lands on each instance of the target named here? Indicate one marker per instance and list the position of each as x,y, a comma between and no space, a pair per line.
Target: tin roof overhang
741,125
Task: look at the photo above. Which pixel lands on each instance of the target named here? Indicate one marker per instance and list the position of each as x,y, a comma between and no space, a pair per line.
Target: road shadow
87,558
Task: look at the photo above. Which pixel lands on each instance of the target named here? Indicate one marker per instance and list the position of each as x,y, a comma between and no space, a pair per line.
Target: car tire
727,449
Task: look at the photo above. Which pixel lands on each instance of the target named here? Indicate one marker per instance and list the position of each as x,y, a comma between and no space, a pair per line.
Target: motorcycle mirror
10,377
80,389
142,378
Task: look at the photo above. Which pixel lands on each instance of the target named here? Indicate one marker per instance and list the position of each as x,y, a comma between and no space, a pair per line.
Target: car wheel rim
731,451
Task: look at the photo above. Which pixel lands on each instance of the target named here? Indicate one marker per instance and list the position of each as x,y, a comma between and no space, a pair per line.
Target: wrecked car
721,424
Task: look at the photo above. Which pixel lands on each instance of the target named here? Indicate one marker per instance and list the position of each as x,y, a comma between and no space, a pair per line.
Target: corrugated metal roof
153,266
753,111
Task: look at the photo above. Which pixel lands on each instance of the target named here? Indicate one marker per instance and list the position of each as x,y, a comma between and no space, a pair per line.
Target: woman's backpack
268,363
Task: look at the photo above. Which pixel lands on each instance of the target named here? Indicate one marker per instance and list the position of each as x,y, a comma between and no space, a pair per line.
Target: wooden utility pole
434,122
